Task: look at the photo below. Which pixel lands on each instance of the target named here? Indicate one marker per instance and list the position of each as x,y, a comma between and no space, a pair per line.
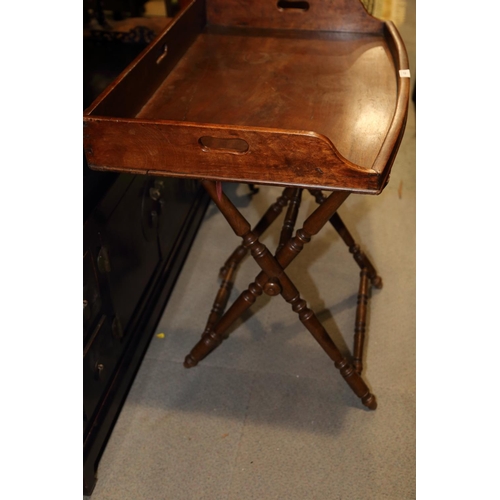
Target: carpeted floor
267,415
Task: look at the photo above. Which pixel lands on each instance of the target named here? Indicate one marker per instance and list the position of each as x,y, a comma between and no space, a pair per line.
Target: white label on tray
404,73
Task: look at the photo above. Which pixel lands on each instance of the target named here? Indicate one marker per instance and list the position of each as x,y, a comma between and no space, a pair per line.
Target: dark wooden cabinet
136,238
137,231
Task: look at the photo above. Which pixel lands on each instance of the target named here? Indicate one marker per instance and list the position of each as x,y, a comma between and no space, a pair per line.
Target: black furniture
137,232
135,242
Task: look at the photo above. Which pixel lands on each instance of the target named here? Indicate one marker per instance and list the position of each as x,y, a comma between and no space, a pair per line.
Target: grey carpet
267,416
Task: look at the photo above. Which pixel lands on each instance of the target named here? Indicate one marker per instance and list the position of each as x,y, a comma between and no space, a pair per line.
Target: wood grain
322,15
341,86
318,109
275,157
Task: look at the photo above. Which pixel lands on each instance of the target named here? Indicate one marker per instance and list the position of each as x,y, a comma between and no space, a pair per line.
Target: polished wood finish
293,93
360,258
290,218
272,270
284,257
360,327
305,103
313,15
230,266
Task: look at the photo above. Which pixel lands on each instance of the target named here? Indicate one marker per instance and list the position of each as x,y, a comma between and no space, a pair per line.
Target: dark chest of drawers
137,231
135,239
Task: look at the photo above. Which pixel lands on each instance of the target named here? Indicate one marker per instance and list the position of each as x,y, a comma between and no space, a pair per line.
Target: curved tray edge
388,151
273,156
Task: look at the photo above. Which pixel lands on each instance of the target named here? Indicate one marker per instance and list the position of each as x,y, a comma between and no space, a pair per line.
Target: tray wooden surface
252,92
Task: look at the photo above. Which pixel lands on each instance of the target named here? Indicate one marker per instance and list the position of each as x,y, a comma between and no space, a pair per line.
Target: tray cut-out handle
292,5
223,145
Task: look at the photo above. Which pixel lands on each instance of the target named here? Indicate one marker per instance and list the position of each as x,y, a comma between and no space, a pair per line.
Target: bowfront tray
310,97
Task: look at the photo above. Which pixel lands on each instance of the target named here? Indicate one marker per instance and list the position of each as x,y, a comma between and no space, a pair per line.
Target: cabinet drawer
99,361
92,301
132,249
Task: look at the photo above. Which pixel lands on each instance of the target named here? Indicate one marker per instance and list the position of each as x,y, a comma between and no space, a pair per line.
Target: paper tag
404,73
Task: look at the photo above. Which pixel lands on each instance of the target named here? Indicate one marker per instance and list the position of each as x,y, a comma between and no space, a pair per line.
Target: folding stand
273,280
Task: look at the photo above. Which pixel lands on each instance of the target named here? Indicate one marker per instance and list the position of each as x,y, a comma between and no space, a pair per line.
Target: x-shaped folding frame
273,279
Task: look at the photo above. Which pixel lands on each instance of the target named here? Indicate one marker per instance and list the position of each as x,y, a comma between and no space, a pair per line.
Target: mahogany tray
309,94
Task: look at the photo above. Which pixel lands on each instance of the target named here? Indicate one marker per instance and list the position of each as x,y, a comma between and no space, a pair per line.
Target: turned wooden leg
221,298
360,326
360,258
264,223
214,334
228,271
287,252
218,323
273,271
290,218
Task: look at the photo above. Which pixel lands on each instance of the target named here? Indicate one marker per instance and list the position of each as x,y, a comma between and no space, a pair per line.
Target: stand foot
370,402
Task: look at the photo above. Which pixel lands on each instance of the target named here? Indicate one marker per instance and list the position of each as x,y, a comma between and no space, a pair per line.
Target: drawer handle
221,145
163,54
103,263
99,372
292,5
86,311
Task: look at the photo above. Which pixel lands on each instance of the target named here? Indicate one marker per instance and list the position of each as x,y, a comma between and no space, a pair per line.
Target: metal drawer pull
163,54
